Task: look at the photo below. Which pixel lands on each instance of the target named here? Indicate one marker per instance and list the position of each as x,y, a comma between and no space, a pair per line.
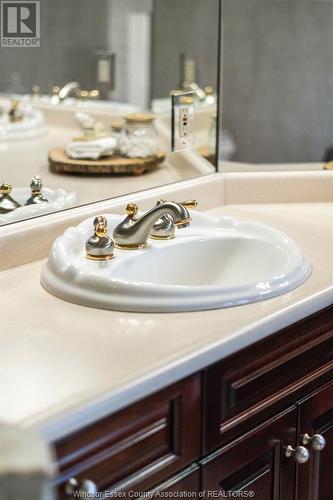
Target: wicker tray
60,163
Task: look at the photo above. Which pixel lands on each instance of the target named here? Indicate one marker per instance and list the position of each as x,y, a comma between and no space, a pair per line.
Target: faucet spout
133,232
67,89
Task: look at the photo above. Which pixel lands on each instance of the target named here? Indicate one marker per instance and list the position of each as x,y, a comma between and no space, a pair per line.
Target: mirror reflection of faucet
36,186
20,120
7,203
15,114
72,89
22,202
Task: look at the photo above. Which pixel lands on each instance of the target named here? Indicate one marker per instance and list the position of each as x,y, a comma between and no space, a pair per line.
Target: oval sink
215,263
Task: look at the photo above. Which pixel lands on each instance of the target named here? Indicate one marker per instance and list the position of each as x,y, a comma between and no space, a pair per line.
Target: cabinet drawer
138,447
249,386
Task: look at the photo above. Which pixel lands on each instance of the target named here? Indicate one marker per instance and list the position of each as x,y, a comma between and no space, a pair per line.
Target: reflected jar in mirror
139,138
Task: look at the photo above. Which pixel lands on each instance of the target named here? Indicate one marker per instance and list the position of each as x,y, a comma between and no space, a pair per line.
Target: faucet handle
15,114
187,203
100,246
190,204
131,210
87,94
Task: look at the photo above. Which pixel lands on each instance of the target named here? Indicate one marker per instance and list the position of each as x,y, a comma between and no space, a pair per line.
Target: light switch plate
182,121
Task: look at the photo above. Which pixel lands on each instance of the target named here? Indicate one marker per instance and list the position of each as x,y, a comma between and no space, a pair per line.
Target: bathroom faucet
74,89
67,90
133,232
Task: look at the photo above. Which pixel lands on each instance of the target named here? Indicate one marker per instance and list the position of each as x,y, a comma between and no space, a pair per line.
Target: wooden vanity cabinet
223,430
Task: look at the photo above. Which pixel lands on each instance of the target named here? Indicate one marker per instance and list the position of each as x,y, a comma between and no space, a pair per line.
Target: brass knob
84,487
5,188
15,104
87,94
300,454
132,209
317,441
55,90
35,91
101,226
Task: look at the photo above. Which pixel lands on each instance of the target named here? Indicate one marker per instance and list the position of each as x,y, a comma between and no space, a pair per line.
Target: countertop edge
75,418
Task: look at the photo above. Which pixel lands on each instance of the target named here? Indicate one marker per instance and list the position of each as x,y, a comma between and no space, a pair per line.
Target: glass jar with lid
139,137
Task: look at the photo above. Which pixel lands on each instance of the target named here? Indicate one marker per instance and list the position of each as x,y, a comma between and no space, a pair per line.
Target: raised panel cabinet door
135,448
255,464
315,478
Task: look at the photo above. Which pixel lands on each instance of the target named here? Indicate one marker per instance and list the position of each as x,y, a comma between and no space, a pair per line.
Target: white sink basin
215,263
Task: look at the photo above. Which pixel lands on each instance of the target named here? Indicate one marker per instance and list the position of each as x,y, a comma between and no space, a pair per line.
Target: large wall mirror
85,99
277,83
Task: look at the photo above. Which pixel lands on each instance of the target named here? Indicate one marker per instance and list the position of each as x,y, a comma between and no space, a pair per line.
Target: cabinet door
136,448
315,479
255,464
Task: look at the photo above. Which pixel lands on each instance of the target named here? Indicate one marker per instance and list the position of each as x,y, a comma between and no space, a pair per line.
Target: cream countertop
63,366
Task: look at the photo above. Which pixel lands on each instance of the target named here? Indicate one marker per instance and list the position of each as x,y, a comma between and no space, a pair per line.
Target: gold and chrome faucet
164,228
133,232
74,89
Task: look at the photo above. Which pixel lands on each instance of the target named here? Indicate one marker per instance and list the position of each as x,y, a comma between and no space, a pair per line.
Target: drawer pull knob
85,486
300,454
317,441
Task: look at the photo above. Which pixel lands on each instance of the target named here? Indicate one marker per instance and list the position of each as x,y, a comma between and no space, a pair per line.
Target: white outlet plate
182,121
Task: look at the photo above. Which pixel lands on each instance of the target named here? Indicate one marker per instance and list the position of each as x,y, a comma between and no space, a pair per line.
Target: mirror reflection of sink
215,263
32,124
58,199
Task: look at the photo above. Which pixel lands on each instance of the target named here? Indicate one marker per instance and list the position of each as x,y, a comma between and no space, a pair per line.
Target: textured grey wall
184,26
278,78
71,30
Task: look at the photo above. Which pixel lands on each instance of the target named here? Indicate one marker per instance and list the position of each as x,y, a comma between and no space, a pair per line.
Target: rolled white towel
91,150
